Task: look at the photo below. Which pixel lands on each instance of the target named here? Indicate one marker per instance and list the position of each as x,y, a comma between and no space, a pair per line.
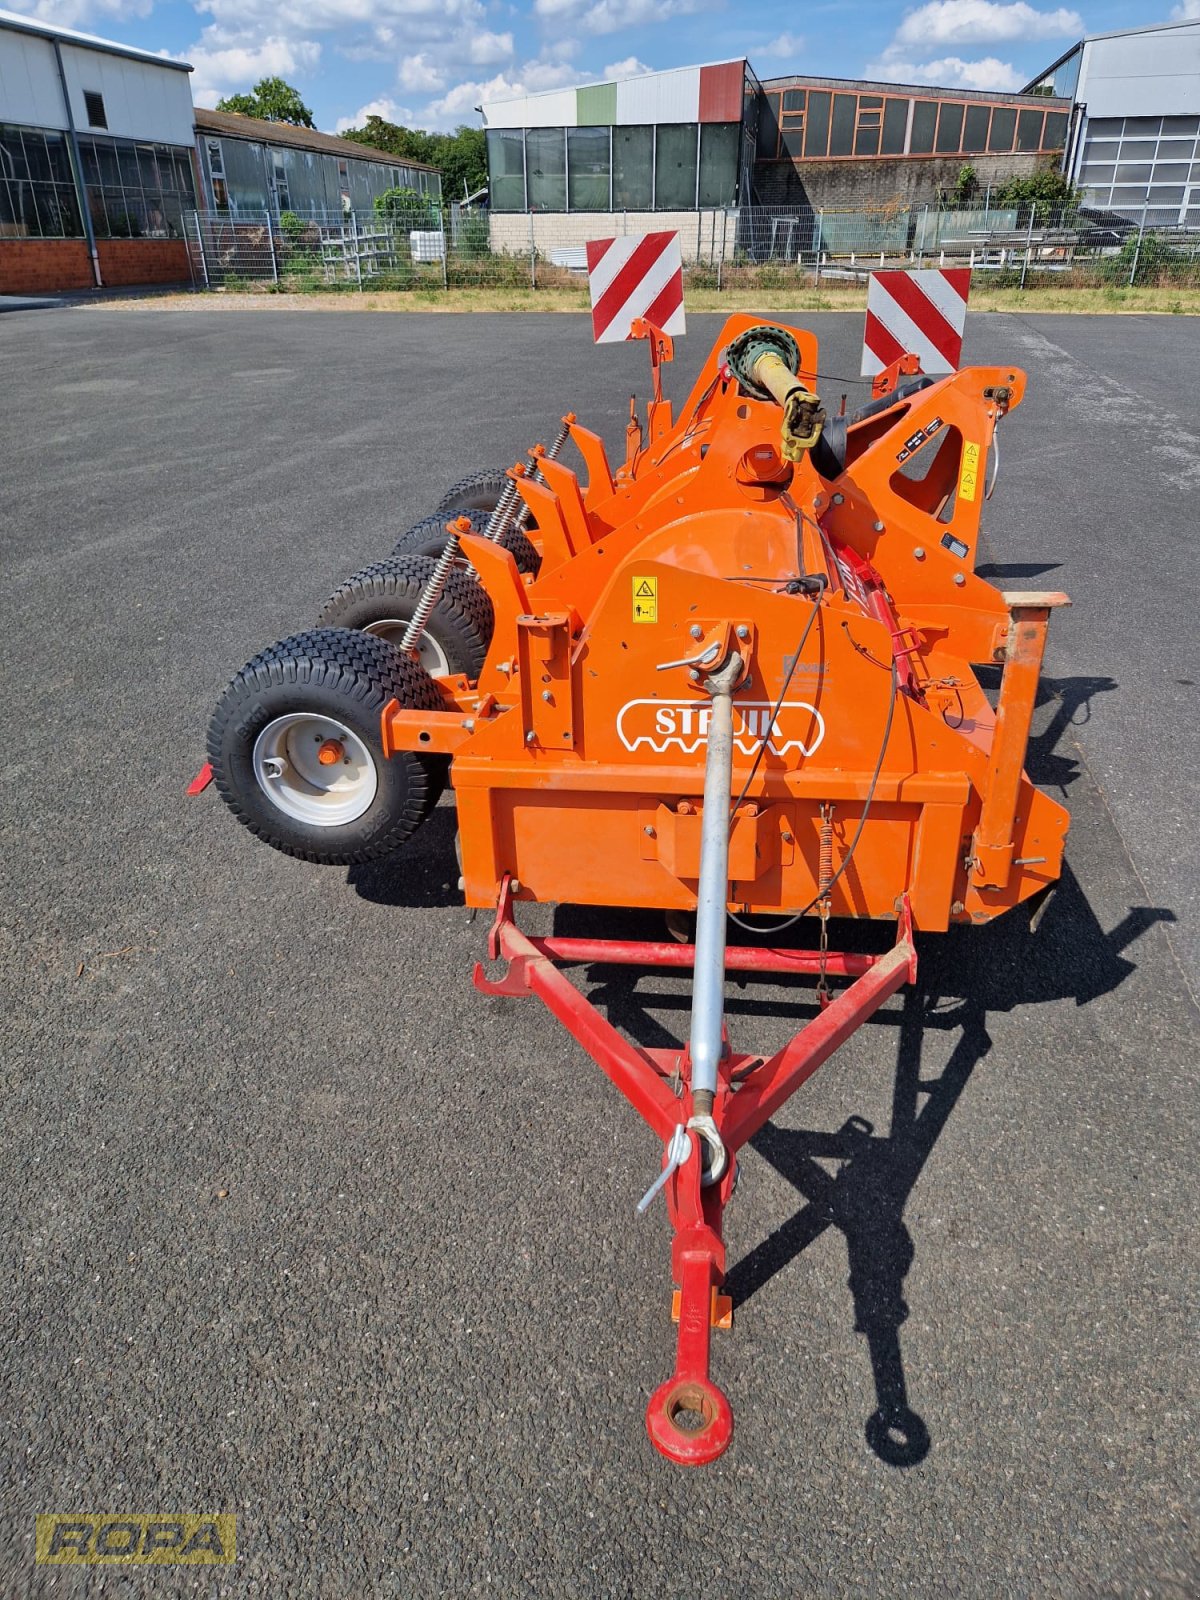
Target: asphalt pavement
295,1225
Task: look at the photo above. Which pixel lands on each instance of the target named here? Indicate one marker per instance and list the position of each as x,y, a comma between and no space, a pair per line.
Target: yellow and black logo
90,1539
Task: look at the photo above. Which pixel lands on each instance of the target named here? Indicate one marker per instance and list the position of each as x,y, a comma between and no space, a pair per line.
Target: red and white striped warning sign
638,276
916,313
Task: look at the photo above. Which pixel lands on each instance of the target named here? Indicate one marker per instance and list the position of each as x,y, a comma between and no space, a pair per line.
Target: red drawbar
689,1419
202,779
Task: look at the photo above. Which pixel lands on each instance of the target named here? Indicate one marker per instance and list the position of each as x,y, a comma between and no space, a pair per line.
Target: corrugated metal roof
289,137
90,41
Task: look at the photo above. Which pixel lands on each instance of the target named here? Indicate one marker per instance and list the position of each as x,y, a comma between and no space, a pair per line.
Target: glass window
1094,175
1066,75
1135,172
1055,136
866,140
506,169
1174,127
949,132
870,102
1176,149
793,143
1101,150
546,169
1138,149
719,163
13,163
768,127
895,126
588,169
633,169
924,120
675,167
1105,127
1143,127
793,99
1160,196
1004,128
816,126
841,138
975,128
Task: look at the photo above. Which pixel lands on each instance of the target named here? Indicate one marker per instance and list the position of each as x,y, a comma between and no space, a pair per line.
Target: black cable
862,822
787,683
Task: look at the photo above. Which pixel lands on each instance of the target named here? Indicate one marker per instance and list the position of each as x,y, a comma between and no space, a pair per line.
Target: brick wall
35,266
862,185
128,261
38,266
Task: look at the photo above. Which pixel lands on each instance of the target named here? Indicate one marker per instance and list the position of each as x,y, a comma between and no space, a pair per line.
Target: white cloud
982,22
911,58
420,75
223,68
785,47
402,116
1187,11
631,67
609,16
950,72
82,14
486,49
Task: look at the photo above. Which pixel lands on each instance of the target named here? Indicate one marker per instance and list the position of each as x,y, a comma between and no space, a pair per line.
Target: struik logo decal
683,725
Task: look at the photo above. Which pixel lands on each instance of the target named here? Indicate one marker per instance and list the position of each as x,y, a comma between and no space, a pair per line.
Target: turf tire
428,538
479,491
460,624
349,676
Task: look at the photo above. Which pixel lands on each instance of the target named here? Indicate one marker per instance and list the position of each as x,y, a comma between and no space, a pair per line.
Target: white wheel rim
429,652
288,770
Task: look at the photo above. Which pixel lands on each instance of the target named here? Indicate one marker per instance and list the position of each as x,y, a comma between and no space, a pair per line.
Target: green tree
1049,195
272,100
460,157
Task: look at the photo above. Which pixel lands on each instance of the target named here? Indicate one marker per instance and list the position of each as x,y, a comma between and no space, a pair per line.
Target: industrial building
248,167
710,137
96,173
103,162
835,145
1134,151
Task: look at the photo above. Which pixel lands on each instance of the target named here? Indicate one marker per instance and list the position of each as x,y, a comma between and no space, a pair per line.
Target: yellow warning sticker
645,599
968,479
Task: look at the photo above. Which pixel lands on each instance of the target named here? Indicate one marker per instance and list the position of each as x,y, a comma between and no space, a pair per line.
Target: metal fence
757,247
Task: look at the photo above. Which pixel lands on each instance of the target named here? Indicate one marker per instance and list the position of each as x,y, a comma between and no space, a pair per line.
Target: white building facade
1135,145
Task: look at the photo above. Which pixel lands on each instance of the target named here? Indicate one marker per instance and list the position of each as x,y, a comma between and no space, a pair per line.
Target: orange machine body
578,757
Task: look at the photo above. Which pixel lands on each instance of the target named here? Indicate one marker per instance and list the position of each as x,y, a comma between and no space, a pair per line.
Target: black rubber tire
428,538
328,672
460,624
479,491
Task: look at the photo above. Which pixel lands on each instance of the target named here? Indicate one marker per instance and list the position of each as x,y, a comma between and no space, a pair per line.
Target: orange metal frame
578,766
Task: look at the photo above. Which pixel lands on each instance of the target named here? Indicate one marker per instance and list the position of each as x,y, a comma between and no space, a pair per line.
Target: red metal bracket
689,1419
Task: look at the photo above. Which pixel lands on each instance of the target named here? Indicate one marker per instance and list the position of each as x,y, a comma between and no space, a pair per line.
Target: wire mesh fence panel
753,248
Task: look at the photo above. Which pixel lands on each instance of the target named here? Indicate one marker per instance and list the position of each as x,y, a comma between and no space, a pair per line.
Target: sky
428,63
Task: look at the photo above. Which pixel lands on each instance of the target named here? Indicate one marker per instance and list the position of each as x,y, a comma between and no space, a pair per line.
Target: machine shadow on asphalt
965,975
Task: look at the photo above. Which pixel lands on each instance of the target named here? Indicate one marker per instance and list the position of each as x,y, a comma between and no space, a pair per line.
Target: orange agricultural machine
733,677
